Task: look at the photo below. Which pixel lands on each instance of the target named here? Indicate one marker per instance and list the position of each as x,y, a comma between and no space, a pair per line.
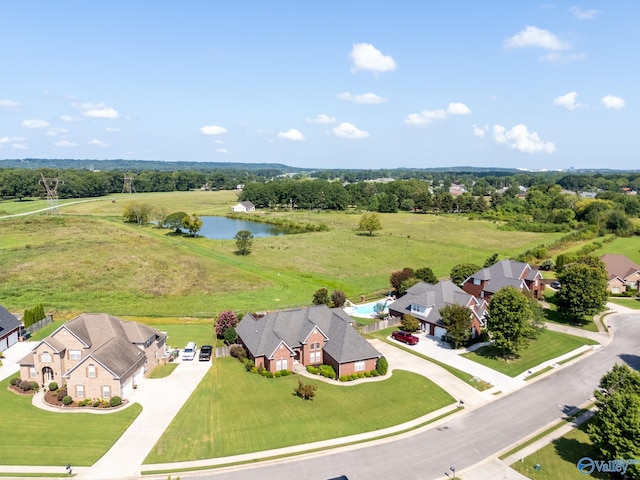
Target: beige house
95,356
622,273
244,207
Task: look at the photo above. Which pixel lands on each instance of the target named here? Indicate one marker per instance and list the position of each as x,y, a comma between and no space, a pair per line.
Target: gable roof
8,322
506,273
292,327
619,266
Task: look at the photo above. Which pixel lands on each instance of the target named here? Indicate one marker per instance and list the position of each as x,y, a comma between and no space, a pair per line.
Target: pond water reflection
223,228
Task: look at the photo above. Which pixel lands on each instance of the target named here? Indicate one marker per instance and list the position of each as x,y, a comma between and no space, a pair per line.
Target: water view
223,228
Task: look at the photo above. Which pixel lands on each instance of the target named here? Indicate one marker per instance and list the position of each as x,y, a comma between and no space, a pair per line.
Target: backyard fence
380,325
222,351
39,324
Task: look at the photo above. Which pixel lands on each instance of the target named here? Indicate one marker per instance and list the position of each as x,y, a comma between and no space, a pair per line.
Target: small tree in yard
370,222
230,336
510,321
244,242
225,320
462,271
458,321
409,323
305,391
321,297
382,365
426,275
400,276
407,284
583,291
338,298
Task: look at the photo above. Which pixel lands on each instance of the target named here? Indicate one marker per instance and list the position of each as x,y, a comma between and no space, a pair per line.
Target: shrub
327,371
367,374
84,403
374,373
361,375
260,369
278,374
61,393
53,386
305,390
96,403
343,378
227,319
115,401
67,400
285,373
269,374
238,352
313,370
15,381
249,365
382,366
25,386
34,386
354,376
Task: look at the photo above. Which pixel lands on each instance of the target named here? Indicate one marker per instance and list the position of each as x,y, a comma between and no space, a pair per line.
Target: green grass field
36,437
547,346
626,302
252,413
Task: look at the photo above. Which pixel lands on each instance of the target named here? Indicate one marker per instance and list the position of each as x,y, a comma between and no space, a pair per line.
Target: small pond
223,228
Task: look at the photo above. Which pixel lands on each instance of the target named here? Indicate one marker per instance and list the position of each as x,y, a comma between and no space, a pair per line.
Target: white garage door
13,338
440,332
3,344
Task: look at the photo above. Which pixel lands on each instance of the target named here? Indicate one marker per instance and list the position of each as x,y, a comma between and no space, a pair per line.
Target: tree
614,429
382,365
407,284
338,298
462,271
491,260
457,319
400,276
160,215
192,223
370,222
226,320
244,241
135,212
230,336
174,220
409,323
426,275
321,297
305,391
583,291
509,321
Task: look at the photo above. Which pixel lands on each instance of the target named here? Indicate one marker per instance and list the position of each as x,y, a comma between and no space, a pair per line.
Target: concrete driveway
12,356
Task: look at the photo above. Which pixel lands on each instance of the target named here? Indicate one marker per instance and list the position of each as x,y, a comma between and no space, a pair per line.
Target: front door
47,375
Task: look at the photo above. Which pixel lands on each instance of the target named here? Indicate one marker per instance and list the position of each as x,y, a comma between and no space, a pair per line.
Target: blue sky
328,84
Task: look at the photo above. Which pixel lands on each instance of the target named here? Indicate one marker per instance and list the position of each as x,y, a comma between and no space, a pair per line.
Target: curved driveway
470,438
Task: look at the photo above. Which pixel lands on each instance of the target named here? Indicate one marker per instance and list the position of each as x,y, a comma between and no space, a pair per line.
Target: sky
326,84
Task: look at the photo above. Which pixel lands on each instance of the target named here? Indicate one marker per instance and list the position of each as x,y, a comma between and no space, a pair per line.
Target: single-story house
424,301
96,355
487,281
313,335
244,207
9,329
622,273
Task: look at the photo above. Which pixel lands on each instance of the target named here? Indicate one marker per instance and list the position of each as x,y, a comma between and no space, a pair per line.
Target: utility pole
51,185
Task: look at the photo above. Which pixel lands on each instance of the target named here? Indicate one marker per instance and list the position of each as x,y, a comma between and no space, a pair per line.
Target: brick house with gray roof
95,356
9,329
622,273
313,335
424,301
505,273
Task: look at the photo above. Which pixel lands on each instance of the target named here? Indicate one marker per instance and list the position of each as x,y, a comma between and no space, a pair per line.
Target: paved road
470,438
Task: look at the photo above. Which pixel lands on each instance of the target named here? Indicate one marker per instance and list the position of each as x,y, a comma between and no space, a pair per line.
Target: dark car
555,285
405,337
205,353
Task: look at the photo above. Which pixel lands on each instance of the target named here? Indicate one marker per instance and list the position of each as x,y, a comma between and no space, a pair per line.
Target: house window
359,366
75,354
315,357
32,372
615,290
45,357
106,391
91,371
80,391
476,281
281,364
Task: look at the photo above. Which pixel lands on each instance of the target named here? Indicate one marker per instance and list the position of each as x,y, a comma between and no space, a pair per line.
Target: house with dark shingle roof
95,356
622,273
313,335
9,329
424,301
505,273
244,207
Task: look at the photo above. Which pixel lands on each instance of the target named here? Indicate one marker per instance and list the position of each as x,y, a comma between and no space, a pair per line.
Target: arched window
45,357
91,371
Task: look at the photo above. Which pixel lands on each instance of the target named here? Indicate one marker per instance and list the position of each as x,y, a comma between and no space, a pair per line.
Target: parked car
189,352
405,337
205,353
555,285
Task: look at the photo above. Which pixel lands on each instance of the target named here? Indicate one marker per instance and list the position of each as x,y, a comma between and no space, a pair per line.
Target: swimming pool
366,310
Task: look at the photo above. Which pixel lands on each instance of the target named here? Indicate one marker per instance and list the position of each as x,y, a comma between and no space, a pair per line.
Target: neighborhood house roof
292,327
619,266
506,273
8,322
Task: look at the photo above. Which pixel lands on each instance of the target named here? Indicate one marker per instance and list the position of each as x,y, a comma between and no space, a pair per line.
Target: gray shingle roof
7,321
506,273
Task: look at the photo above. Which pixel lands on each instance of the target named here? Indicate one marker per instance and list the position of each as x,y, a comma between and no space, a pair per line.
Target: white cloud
9,105
111,129
613,102
558,58
99,143
536,37
426,117
54,132
65,143
7,140
458,109
369,98
68,118
480,132
222,150
106,112
212,130
291,134
349,130
519,138
584,14
20,146
322,118
567,101
365,56
35,123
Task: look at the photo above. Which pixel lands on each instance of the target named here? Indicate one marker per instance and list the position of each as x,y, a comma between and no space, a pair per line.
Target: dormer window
75,354
45,357
476,281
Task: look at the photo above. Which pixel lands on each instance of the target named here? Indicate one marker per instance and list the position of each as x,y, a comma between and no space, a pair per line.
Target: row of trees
143,213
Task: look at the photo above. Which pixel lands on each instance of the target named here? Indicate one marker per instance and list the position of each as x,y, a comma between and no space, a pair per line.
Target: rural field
86,259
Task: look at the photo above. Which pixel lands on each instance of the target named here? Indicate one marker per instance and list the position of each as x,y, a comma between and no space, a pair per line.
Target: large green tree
244,242
457,319
462,271
615,428
192,223
583,289
425,274
509,322
370,222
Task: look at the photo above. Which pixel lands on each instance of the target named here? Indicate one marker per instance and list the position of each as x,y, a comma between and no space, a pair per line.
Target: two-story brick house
487,281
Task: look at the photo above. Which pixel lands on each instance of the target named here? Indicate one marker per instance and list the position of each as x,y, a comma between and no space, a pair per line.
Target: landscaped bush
85,402
313,370
96,403
354,376
15,381
278,374
361,375
305,390
67,400
34,386
53,386
25,386
343,378
62,393
374,373
285,372
327,371
249,365
382,366
238,352
115,401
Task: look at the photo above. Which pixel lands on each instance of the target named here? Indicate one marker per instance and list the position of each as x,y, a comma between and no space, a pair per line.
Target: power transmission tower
128,185
51,185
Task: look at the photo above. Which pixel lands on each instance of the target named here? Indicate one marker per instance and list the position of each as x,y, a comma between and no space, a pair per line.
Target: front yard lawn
626,302
36,437
547,346
234,412
553,315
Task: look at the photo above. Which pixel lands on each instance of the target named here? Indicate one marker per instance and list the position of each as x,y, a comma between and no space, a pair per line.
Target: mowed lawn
626,302
547,346
234,412
31,436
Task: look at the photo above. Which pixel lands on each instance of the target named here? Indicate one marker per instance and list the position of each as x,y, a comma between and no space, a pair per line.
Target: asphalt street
468,439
